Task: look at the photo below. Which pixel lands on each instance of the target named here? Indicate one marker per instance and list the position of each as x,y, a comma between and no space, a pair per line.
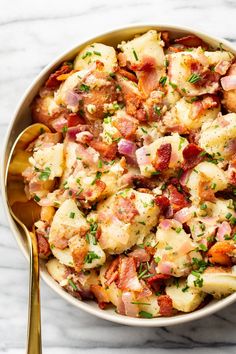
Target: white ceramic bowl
21,119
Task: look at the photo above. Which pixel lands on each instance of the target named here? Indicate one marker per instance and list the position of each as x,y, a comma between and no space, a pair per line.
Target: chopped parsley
194,78
90,257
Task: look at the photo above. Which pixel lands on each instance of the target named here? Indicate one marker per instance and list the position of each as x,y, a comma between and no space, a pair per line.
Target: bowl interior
22,118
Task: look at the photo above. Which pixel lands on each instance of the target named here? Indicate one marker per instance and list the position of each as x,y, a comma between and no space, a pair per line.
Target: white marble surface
32,33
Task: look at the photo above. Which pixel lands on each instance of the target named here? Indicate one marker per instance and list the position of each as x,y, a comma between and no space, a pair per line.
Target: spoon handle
34,345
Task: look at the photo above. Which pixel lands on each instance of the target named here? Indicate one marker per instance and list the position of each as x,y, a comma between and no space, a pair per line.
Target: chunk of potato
216,281
51,158
117,235
218,136
146,155
146,45
94,52
184,299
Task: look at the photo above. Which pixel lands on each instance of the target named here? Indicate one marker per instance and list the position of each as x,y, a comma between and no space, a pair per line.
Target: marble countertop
31,35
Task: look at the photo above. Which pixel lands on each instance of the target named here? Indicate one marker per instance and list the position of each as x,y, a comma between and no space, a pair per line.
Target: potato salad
136,174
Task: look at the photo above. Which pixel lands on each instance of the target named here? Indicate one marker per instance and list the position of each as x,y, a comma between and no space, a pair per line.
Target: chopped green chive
98,176
194,78
162,80
228,216
135,55
145,314
203,206
44,175
36,198
72,284
84,88
90,257
72,215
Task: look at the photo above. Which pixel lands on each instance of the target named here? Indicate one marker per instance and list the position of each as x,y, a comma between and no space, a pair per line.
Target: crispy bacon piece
147,75
125,209
52,83
158,277
74,119
192,156
220,253
148,81
122,59
165,37
108,152
199,107
143,182
191,41
127,126
127,74
43,246
205,191
141,115
146,291
166,306
163,203
140,255
163,156
177,200
101,295
78,255
112,272
128,279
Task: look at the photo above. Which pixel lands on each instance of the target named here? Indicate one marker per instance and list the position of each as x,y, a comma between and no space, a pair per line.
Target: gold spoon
25,212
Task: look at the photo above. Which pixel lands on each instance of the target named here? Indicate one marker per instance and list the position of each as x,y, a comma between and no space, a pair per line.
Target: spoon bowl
25,212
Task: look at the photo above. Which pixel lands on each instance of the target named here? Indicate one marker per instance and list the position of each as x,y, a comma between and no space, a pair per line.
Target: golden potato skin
229,97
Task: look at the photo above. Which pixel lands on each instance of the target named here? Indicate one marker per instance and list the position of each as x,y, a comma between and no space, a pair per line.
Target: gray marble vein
31,35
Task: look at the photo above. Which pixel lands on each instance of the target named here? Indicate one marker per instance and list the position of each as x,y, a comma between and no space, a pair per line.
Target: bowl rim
86,306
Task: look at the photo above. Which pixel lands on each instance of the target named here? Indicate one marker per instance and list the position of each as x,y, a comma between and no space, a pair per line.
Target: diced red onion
183,215
128,149
228,82
59,123
165,267
142,156
72,98
223,230
131,310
